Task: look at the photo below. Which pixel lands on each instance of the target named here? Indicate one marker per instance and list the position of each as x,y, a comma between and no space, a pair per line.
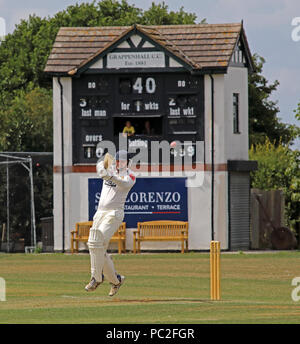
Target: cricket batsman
117,181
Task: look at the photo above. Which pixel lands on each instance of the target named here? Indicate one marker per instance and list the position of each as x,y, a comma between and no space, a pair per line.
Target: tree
278,168
263,120
26,125
159,15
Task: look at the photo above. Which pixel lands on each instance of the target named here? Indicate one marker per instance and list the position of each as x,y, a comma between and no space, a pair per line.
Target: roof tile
199,45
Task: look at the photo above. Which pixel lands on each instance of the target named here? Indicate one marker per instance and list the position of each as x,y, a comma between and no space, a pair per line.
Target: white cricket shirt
115,188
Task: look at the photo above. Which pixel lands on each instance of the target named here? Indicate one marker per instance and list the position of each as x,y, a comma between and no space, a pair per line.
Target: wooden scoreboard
165,83
102,104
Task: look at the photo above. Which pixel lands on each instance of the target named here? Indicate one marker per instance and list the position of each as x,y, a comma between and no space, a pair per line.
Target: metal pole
7,207
62,163
212,159
33,227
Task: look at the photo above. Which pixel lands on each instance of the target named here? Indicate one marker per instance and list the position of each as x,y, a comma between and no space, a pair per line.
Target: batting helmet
121,155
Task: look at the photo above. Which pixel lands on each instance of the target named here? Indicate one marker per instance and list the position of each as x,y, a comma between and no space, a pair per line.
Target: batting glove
101,171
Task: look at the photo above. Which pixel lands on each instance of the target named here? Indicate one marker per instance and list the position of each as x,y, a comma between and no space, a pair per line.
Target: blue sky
268,25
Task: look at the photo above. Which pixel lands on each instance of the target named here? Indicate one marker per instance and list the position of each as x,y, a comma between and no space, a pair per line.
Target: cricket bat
108,159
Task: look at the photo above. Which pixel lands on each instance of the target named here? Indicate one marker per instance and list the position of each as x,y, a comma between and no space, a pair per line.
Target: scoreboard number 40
150,85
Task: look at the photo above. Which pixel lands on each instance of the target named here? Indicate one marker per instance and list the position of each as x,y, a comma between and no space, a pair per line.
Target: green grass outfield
159,289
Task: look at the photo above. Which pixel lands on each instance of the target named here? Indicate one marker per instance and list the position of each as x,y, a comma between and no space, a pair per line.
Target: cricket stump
215,285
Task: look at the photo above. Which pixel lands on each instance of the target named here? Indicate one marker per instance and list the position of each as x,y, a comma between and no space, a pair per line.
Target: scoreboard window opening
93,106
177,125
143,126
93,124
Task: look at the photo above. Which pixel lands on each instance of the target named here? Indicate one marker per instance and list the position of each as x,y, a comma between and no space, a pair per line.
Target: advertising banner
150,199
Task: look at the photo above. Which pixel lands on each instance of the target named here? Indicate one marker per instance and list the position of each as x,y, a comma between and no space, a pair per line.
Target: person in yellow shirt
128,129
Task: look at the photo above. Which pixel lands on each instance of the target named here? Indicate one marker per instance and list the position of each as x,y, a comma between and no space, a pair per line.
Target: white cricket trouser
105,224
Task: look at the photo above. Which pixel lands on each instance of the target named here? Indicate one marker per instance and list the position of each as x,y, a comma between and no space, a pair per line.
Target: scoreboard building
177,83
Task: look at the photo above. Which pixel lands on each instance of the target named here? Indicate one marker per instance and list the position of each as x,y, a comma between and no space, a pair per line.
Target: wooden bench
82,231
160,231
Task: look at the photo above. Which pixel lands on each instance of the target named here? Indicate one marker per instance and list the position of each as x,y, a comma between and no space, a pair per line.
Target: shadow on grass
118,300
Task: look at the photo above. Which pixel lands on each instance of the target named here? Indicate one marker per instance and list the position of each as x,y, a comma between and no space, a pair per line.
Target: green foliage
38,250
297,112
26,124
278,168
159,15
263,120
